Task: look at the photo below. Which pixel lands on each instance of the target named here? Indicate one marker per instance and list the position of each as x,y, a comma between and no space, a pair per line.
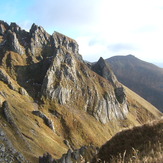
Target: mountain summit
52,101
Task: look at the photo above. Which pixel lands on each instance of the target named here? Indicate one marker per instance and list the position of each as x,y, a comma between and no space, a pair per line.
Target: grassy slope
74,125
139,144
140,109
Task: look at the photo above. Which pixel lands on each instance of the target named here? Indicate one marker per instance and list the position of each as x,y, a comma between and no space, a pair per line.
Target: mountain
51,101
142,77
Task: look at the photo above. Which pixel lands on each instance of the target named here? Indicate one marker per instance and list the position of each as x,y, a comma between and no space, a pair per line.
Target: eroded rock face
3,27
11,83
69,44
39,40
120,94
37,43
103,69
70,82
13,43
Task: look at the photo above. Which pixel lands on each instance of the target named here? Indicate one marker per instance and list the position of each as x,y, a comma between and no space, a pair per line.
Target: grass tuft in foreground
143,144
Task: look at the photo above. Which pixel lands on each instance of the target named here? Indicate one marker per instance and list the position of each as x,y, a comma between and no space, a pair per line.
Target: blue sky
101,27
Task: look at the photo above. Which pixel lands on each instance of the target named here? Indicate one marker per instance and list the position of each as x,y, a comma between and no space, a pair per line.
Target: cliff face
53,97
70,82
67,80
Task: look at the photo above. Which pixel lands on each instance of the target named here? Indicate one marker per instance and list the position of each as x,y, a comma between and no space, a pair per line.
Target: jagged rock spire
103,69
68,80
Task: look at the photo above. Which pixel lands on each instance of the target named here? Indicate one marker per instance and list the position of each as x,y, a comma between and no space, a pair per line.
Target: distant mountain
142,77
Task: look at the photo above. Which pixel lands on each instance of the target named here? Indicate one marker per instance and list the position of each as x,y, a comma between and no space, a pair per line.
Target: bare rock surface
8,153
44,75
67,80
47,121
84,154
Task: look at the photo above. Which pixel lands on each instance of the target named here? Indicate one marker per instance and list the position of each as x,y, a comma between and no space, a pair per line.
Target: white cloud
135,26
103,27
26,24
65,14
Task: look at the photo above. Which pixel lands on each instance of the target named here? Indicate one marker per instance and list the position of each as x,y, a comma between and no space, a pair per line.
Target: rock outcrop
10,119
8,153
7,80
68,81
11,83
47,121
142,77
103,68
45,83
13,43
3,27
84,154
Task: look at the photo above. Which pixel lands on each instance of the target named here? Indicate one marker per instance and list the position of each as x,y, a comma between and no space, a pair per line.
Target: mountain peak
36,28
51,101
3,27
103,69
14,27
130,55
101,60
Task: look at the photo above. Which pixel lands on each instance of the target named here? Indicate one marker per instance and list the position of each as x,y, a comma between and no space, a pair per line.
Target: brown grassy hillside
139,144
72,124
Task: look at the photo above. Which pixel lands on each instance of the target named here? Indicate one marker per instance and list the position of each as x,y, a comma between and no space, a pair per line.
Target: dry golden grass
140,144
74,125
1,39
153,155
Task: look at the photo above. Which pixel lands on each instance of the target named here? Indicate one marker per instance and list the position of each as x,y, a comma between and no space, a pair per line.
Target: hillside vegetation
136,145
52,102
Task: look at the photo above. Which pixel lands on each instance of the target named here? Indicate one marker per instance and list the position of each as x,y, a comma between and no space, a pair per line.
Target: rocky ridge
103,69
49,95
66,78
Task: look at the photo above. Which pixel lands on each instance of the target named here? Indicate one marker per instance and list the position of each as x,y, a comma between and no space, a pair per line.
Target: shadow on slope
140,144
